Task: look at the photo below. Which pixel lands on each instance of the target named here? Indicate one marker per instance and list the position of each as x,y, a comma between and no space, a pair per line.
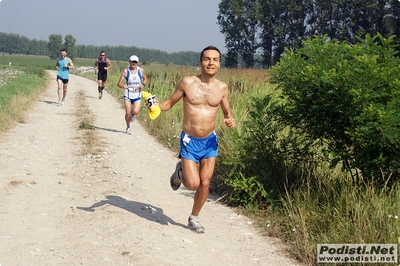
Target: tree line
256,31
16,44
267,27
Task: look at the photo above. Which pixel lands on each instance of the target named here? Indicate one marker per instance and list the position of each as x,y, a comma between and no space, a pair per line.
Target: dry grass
15,183
91,141
14,105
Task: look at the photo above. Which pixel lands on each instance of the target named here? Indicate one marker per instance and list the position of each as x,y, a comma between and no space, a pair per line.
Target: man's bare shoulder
188,81
222,85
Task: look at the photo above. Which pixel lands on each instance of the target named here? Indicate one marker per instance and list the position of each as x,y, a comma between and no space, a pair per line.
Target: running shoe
100,95
176,178
128,131
195,225
133,116
62,101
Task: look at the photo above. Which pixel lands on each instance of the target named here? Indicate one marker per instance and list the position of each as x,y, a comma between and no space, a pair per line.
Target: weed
92,143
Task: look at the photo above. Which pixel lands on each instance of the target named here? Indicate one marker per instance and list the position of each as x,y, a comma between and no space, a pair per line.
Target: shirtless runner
202,95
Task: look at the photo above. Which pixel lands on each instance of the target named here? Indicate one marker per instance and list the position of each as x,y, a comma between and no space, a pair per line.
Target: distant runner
63,65
135,79
102,64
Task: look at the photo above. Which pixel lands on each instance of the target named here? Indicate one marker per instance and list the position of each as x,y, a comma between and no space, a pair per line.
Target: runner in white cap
135,79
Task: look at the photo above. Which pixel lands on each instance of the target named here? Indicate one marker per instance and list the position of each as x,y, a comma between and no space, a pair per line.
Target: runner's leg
198,179
65,87
136,107
127,112
206,173
59,89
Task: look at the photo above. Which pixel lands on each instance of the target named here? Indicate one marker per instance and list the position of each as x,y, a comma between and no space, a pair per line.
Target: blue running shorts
195,149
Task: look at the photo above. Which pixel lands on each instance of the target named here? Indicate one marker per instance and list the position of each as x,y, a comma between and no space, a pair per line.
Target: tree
54,46
286,23
38,47
238,21
229,27
70,45
250,42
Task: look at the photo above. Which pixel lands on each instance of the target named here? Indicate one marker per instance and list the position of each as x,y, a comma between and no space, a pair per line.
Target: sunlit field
324,208
37,61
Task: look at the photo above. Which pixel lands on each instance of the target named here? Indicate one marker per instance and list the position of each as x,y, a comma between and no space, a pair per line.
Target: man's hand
229,122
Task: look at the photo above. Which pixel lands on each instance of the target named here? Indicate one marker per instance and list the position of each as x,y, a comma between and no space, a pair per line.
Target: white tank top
133,80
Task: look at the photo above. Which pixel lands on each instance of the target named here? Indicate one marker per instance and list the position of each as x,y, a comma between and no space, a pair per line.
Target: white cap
134,58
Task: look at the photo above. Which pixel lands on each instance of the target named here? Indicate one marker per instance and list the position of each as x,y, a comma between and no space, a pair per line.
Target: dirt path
60,208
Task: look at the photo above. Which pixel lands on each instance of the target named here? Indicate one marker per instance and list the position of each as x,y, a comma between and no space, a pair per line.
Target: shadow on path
149,212
109,129
49,102
92,97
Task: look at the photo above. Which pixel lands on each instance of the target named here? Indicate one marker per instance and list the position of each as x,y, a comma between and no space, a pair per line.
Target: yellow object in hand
145,94
154,108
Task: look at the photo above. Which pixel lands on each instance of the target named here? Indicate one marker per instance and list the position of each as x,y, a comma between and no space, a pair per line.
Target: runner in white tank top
135,79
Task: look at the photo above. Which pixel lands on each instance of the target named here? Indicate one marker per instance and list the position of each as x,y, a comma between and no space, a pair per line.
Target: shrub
346,98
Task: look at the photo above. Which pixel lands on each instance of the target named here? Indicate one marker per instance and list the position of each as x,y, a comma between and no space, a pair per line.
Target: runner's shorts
133,95
195,149
64,81
102,75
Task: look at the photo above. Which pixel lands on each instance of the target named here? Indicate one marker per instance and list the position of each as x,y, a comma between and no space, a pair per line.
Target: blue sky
166,25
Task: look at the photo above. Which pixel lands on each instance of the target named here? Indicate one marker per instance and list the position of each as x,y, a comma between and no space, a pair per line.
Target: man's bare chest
203,96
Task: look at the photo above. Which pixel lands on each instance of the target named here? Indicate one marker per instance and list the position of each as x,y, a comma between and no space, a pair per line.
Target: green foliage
346,98
54,45
38,71
276,155
238,21
268,27
246,191
86,125
70,45
16,44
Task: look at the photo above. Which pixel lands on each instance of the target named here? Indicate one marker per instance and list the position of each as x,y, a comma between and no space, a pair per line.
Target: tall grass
330,210
325,208
19,88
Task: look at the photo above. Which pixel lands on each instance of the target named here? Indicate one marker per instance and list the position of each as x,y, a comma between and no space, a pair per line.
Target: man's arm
121,79
70,64
176,96
95,64
109,65
145,79
228,118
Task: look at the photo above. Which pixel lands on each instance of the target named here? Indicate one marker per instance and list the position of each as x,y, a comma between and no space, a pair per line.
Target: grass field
37,61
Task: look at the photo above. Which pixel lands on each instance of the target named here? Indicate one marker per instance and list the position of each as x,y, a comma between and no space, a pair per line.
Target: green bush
346,98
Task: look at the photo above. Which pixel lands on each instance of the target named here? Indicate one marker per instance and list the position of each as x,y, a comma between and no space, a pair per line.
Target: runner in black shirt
102,64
